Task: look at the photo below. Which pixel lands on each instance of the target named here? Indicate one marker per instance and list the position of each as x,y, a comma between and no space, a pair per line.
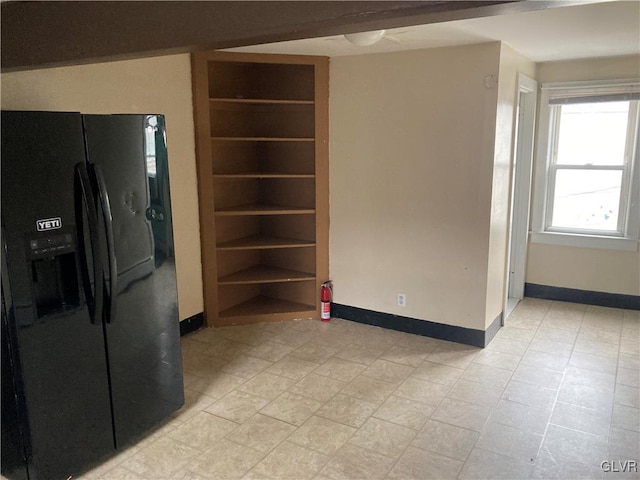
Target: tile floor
554,395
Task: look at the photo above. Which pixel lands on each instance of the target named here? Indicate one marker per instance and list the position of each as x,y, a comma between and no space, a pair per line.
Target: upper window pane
592,133
587,199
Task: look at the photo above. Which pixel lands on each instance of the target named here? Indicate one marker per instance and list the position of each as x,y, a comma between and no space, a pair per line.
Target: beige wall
593,269
412,138
511,62
158,85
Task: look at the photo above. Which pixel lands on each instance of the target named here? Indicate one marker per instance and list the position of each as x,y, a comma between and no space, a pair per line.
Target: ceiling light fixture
365,39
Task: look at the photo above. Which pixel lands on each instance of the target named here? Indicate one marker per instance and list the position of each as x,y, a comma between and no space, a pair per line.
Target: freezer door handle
107,218
85,205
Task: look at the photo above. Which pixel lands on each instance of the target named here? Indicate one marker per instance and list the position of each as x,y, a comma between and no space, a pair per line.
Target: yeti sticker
49,224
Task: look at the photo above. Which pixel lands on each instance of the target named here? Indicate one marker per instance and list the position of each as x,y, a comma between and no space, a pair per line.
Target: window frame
625,237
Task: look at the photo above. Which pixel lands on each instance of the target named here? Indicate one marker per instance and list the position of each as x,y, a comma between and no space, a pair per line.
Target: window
586,183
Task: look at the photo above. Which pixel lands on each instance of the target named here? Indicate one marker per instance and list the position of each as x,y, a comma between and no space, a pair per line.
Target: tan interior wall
511,63
412,137
594,269
152,85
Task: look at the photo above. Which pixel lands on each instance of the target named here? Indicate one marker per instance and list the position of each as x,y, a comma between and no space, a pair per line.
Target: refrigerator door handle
107,217
82,198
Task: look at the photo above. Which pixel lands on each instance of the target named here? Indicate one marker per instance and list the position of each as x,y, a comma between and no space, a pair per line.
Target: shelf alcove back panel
261,81
299,260
255,120
268,157
299,228
290,192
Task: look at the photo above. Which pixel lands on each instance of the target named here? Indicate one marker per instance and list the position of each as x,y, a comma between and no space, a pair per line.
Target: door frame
520,201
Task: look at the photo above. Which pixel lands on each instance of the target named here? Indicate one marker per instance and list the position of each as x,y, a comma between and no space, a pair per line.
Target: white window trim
629,240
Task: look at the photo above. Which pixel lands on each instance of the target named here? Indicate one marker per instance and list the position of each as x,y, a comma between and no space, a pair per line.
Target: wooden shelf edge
263,243
264,210
261,274
261,101
264,139
264,306
263,175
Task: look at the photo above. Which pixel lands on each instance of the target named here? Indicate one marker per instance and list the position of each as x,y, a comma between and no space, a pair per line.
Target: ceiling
571,32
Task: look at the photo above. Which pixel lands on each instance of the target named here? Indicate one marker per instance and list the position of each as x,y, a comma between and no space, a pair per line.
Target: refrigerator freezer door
143,336
58,355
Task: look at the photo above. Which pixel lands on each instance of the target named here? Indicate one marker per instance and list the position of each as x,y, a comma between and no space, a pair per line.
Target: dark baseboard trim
603,299
426,328
191,324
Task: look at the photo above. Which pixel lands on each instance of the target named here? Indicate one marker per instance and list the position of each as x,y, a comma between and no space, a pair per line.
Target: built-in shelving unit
262,140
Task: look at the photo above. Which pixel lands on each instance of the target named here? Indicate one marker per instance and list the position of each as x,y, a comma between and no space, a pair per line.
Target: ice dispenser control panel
51,245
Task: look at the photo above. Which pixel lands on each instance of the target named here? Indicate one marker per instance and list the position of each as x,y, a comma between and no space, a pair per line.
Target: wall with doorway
593,269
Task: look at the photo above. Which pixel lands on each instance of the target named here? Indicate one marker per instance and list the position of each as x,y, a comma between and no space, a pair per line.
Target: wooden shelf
264,139
263,305
262,175
264,242
261,101
262,152
265,274
264,210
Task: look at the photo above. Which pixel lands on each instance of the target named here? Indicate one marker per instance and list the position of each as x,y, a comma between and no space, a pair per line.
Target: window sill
585,241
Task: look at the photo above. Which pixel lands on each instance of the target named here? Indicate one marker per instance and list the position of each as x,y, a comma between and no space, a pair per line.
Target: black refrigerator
91,355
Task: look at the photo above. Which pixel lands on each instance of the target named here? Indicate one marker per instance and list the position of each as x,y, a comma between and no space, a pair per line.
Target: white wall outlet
402,300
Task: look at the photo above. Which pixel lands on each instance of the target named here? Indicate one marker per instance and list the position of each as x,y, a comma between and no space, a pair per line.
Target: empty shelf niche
247,232
261,266
264,196
267,300
263,158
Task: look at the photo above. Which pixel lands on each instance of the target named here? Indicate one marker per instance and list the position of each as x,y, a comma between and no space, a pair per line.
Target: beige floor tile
626,441
529,394
625,417
517,334
318,387
556,334
589,378
405,412
218,384
474,392
582,419
119,473
160,459
388,371
422,391
511,442
591,334
270,350
574,445
550,361
597,348
248,334
289,460
201,364
245,366
227,349
416,464
483,464
462,414
494,358
550,466
291,408
290,367
487,375
351,462
629,360
261,433
630,344
322,435
340,369
293,338
404,356
369,389
194,402
437,373
550,346
201,430
596,363
267,385
626,395
521,416
417,343
600,401
383,437
512,347
566,310
347,410
453,355
237,406
538,376
523,322
225,459
449,440
628,377
359,354
334,339
314,352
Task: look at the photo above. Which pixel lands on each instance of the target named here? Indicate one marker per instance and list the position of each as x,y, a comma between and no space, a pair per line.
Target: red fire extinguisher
326,292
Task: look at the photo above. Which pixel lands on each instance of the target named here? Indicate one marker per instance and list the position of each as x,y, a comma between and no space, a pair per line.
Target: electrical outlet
402,300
